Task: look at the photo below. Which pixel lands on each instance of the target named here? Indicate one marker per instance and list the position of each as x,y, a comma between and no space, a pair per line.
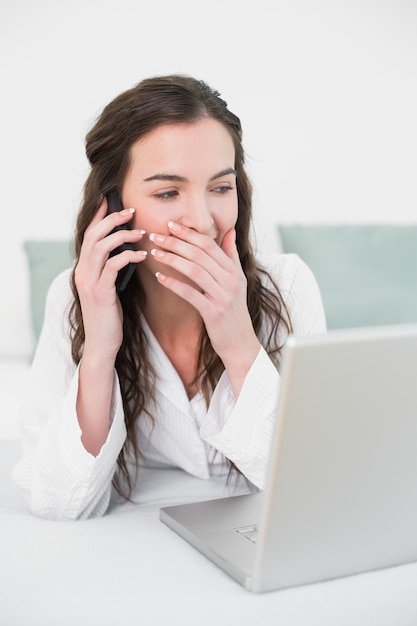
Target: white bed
128,568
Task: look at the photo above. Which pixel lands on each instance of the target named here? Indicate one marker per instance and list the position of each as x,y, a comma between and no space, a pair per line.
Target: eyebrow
181,179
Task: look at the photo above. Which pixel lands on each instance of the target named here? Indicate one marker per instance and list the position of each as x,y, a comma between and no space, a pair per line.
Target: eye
222,189
166,195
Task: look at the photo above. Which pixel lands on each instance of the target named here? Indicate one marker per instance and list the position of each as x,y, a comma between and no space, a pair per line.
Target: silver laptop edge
342,478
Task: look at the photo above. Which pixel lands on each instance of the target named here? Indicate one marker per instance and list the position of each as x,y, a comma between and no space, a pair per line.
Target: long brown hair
129,117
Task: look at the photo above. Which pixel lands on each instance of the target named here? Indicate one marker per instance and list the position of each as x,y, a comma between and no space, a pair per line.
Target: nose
197,215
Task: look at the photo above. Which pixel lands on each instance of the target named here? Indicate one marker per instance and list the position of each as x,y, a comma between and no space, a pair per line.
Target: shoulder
55,312
286,270
298,288
60,287
59,297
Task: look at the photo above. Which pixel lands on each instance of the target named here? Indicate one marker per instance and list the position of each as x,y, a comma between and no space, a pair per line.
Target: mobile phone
125,274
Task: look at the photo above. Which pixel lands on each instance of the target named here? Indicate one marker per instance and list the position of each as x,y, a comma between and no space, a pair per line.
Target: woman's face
184,173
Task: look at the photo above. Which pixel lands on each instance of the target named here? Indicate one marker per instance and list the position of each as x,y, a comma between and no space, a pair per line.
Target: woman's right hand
95,276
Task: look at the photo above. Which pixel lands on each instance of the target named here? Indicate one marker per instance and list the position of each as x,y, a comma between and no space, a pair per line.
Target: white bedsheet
129,569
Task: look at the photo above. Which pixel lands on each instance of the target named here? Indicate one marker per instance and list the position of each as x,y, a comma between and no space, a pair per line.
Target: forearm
62,479
95,388
242,428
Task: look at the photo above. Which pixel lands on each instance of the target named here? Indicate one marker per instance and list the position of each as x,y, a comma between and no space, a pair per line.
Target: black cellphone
125,274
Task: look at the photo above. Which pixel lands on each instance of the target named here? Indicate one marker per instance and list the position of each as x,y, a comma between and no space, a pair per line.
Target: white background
326,91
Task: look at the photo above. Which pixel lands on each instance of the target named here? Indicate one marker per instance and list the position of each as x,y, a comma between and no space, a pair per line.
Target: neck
173,327
172,320
176,326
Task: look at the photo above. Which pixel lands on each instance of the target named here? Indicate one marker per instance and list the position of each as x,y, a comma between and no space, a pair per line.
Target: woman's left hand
214,283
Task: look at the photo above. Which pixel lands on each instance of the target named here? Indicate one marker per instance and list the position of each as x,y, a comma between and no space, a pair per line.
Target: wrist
239,361
98,360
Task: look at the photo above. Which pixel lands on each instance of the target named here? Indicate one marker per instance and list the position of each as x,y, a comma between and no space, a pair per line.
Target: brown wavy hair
129,117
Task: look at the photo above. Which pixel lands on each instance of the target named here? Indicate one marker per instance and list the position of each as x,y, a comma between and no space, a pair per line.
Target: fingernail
174,226
156,238
127,211
157,253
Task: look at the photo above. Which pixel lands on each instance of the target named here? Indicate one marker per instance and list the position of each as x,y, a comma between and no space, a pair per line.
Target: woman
181,367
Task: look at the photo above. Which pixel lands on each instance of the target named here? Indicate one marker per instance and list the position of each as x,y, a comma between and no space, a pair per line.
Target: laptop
341,491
